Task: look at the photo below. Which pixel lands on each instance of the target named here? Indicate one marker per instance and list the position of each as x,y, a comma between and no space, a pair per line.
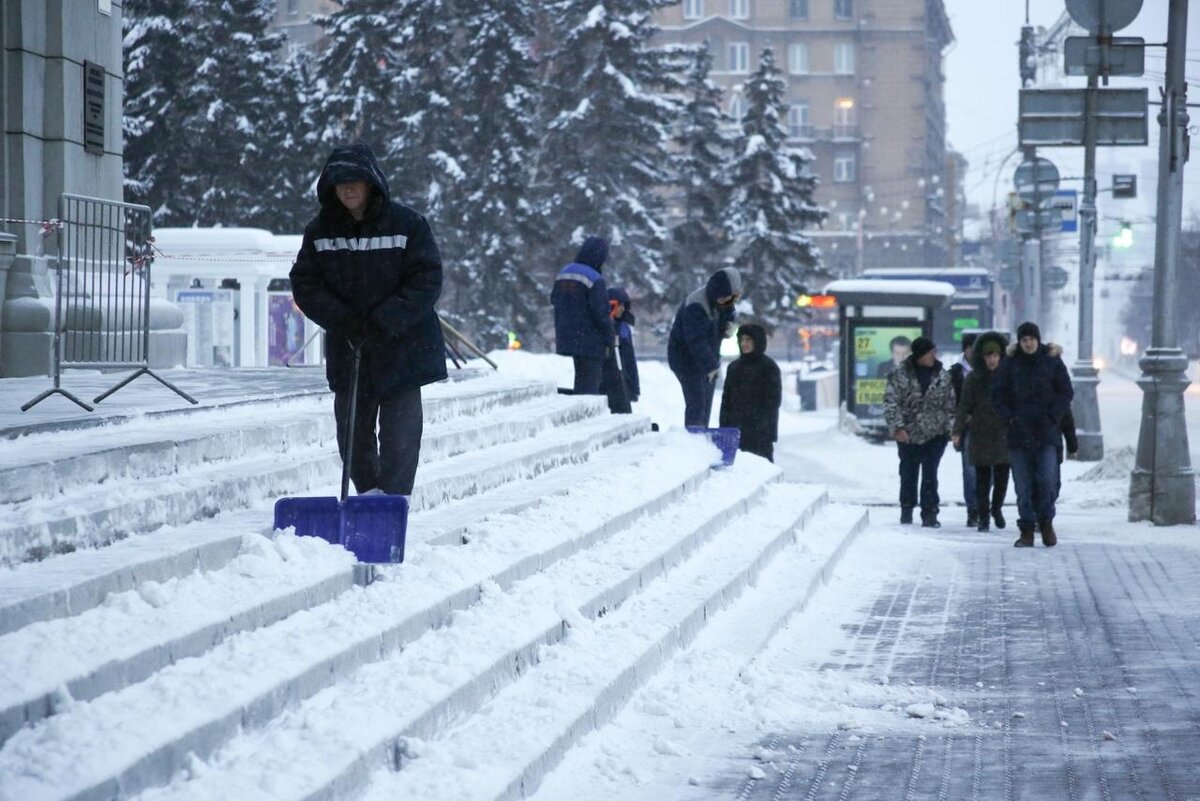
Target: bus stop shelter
878,320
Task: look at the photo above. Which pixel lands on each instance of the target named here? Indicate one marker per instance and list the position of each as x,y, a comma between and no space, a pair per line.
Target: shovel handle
351,418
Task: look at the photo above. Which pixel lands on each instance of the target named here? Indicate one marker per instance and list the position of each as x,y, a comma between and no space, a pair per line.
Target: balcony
836,133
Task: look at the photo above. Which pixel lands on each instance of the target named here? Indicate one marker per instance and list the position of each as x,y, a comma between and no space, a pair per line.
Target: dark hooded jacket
753,394
583,325
694,346
383,271
1032,392
624,323
988,443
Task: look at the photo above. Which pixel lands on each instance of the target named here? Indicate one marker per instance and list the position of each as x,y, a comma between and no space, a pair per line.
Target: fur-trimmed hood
982,341
1049,348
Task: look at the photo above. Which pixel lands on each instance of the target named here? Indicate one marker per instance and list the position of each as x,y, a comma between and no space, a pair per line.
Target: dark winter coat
925,415
629,368
381,275
1032,392
988,443
694,346
582,323
752,396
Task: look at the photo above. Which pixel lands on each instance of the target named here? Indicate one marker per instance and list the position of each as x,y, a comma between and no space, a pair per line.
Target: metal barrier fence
102,297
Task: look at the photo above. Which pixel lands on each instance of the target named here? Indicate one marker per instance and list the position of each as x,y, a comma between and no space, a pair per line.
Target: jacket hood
723,283
977,352
348,163
756,333
592,252
621,296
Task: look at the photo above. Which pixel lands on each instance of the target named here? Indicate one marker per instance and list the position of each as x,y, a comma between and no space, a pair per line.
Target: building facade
294,19
865,95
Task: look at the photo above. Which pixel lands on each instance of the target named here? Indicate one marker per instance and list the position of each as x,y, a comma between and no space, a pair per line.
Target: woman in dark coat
987,447
753,394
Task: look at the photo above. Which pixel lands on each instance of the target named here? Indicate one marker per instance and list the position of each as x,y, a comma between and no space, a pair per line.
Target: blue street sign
1067,201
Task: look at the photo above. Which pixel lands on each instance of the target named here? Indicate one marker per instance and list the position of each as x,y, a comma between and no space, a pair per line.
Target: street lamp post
1162,488
1085,406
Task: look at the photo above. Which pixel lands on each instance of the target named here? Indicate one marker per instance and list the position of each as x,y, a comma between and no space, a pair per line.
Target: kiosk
878,320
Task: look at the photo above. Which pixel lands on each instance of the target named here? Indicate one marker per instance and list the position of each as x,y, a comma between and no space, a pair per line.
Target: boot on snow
1026,538
998,516
1049,538
906,515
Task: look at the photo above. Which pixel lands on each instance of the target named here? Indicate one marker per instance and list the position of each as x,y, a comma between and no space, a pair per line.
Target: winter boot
983,526
998,516
1026,538
906,515
1049,538
929,520
972,518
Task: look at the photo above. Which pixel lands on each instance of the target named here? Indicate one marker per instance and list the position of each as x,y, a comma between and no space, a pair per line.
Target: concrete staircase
203,656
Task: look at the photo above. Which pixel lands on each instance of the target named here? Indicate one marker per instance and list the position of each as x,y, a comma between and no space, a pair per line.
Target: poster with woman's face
878,350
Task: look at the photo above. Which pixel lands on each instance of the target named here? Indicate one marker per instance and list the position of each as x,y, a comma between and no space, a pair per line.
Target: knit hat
1028,329
592,252
921,346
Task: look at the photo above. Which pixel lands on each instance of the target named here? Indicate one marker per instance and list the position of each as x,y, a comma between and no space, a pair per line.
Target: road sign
1009,279
1054,117
1035,179
1046,219
1067,202
1086,55
1111,14
1124,186
1055,278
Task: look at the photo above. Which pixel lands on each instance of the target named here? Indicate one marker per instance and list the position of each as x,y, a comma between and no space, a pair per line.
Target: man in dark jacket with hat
1032,391
583,326
694,346
753,394
918,405
369,273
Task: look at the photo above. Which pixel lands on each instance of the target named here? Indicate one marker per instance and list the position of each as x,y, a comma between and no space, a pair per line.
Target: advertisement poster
285,329
208,321
878,349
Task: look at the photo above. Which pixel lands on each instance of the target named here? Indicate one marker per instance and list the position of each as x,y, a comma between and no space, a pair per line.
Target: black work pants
697,398
921,461
991,479
589,373
387,462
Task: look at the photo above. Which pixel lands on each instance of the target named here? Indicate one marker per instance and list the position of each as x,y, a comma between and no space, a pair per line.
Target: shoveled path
1079,667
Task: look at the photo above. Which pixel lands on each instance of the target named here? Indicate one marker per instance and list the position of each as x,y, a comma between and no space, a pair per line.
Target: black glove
353,328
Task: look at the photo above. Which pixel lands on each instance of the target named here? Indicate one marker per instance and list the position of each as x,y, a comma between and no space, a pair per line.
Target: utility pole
1162,488
1085,376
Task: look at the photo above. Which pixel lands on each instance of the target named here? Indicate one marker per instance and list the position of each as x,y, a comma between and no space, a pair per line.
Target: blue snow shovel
372,527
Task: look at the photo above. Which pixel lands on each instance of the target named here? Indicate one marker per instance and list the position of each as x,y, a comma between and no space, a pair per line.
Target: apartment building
865,96
293,18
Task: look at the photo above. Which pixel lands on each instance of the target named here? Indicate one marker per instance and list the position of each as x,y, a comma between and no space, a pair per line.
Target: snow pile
1116,464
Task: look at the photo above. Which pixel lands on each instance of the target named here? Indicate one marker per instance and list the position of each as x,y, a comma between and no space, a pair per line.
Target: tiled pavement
1079,667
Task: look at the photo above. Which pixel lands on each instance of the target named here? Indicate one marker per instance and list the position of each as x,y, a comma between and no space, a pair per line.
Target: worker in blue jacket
621,373
583,326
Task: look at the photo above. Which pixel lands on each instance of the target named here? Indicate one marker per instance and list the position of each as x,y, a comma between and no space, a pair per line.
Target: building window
737,108
843,9
739,57
798,9
693,9
798,59
843,168
845,121
739,9
843,58
797,120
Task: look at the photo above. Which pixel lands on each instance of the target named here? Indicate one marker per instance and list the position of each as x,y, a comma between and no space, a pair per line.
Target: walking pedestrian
1032,391
958,373
369,273
918,405
583,326
753,394
694,345
986,449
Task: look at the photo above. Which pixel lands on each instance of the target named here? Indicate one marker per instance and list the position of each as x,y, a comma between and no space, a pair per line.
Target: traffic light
1027,53
1124,239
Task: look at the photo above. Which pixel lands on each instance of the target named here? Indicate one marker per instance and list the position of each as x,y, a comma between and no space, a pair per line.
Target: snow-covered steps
138,632
144,734
107,498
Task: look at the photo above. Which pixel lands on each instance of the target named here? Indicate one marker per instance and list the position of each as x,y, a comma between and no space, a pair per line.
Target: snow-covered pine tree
292,154
495,93
702,188
772,201
355,72
161,55
610,99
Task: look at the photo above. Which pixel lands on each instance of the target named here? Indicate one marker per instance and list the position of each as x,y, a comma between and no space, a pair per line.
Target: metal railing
102,294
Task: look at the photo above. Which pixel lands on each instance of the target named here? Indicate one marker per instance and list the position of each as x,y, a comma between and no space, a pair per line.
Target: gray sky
981,101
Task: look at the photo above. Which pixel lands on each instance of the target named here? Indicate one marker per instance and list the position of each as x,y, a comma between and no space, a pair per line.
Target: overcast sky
981,101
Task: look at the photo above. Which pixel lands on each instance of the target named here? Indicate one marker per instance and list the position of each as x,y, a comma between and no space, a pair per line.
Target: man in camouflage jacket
918,406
